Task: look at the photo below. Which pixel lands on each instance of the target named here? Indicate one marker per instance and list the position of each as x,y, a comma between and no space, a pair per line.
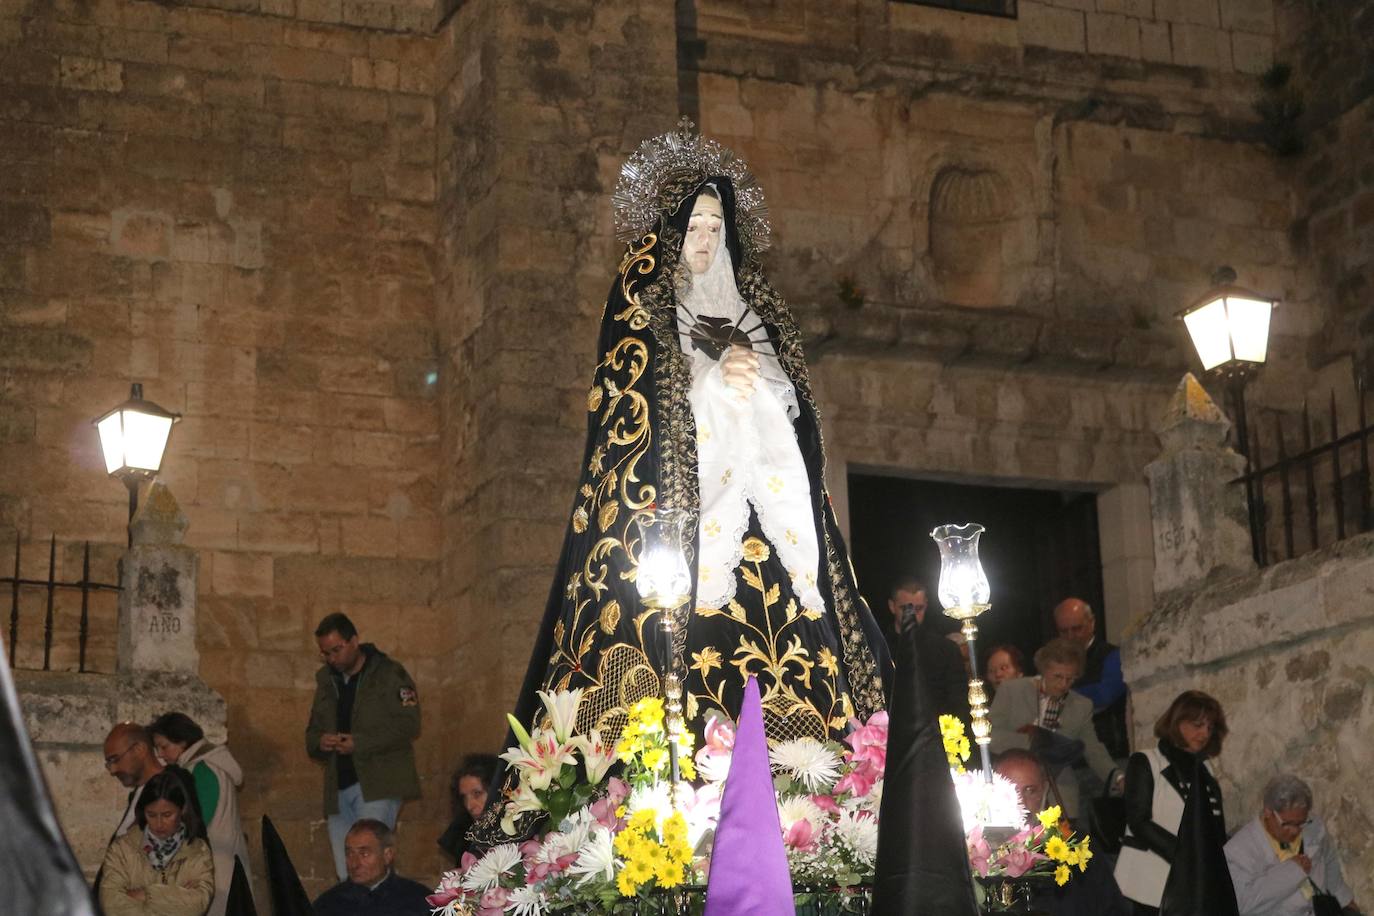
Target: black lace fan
713,336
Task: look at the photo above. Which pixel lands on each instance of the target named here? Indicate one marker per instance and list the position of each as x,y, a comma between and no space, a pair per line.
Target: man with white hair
1284,858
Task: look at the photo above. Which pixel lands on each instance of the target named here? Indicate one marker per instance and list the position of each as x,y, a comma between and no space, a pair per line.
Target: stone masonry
363,245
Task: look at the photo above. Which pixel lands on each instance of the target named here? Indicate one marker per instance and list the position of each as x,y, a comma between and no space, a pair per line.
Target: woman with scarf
177,739
1172,854
701,402
163,867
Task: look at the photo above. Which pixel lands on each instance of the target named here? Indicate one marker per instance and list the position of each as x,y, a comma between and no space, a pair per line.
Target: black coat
396,896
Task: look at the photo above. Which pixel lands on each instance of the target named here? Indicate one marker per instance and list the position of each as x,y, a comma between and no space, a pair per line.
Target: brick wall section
235,209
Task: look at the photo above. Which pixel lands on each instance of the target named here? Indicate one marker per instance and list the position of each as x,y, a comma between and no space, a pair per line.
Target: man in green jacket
365,716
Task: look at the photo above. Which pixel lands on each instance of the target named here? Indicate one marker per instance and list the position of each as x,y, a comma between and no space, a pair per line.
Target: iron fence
56,611
1317,501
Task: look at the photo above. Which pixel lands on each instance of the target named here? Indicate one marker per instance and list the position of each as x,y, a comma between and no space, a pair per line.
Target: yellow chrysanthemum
1061,875
641,869
674,829
1084,854
668,874
654,758
643,819
1070,858
1056,848
1049,817
689,770
625,884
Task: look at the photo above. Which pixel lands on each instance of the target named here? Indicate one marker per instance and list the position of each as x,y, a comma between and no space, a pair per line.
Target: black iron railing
1318,500
50,588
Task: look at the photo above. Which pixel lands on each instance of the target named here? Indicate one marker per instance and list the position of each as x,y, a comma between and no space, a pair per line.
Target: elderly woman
1158,782
1042,714
164,866
1283,858
179,740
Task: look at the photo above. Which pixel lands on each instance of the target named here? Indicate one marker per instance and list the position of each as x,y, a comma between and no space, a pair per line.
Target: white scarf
747,451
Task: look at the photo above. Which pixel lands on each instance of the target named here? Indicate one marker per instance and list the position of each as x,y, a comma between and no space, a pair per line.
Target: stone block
1156,43
1196,12
1141,9
237,573
1252,53
1201,46
89,74
1051,26
1255,16
1113,35
157,609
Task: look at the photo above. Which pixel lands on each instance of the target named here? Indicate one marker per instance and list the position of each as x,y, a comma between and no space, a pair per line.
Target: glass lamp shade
133,436
663,578
963,590
1229,328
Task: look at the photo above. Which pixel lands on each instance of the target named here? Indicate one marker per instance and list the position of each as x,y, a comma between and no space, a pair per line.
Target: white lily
596,754
562,706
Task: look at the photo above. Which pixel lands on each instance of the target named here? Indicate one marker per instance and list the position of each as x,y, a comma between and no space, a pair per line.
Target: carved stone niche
973,235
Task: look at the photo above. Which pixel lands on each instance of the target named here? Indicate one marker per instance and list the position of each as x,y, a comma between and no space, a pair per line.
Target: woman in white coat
179,740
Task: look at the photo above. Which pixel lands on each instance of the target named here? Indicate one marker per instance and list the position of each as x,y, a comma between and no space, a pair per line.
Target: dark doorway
1040,547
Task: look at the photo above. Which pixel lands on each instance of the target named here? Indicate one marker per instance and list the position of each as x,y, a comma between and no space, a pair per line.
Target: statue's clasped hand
739,368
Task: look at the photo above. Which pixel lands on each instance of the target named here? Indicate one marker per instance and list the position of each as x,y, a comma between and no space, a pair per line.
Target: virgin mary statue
700,401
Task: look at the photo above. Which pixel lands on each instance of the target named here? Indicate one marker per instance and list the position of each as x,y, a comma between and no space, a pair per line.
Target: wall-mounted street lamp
133,438
1229,327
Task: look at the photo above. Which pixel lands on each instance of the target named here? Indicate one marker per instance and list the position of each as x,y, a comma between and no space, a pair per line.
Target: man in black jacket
373,888
940,659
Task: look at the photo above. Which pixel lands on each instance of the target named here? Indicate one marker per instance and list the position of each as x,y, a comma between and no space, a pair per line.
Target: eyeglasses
111,760
1289,825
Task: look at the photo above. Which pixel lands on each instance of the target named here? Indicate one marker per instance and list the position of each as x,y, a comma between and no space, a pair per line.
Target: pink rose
1018,861
800,835
978,851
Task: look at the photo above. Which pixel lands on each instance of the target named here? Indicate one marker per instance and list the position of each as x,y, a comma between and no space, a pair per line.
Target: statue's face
703,234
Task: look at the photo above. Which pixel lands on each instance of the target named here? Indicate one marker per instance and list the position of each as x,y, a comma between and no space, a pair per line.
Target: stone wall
235,208
1286,651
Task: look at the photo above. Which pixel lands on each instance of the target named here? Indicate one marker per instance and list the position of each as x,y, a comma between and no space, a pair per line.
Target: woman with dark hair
217,775
1004,663
163,868
467,799
1158,783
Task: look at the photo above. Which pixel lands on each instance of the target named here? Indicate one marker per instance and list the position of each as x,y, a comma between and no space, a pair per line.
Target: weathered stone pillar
1198,515
157,608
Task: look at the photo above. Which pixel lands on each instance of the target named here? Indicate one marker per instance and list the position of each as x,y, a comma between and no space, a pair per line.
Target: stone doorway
1041,545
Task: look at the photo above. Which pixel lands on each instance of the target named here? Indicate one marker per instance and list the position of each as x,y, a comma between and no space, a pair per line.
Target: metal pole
132,484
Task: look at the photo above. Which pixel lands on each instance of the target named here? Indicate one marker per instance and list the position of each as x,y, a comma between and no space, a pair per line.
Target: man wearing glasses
129,758
1284,863
363,722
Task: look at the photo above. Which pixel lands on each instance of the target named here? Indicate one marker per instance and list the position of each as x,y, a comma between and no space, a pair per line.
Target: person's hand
138,894
739,367
329,742
345,744
1305,862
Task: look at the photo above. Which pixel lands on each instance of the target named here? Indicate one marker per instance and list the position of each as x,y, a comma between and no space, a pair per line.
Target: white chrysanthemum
574,831
800,808
595,858
860,833
994,804
714,767
486,872
809,762
526,900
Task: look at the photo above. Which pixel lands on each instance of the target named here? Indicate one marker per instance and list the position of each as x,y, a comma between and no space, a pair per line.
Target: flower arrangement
1002,840
610,842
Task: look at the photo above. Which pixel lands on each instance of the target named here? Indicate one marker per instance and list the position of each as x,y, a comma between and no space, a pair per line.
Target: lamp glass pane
1249,322
145,439
1207,327
112,442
